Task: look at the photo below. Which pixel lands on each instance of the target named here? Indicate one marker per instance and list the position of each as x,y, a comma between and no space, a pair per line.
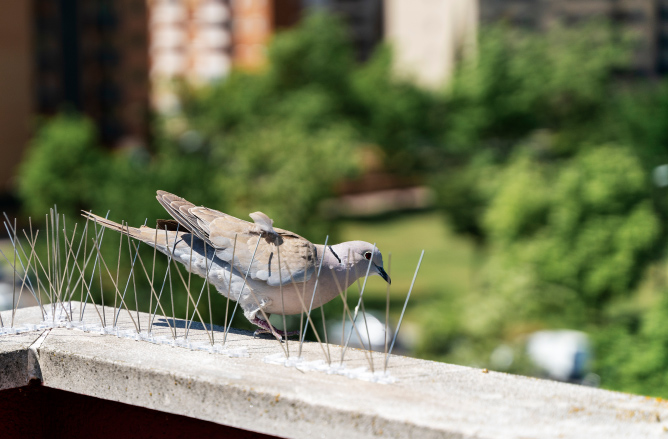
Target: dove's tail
145,234
122,228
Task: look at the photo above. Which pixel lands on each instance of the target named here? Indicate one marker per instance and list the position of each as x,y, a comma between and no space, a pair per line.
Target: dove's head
361,254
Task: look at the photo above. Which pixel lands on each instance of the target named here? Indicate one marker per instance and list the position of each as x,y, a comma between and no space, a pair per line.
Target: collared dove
194,226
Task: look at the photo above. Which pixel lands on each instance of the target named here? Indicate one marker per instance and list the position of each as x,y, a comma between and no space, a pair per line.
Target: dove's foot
280,333
267,328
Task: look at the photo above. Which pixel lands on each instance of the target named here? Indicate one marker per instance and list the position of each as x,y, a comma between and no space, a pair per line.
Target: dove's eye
367,255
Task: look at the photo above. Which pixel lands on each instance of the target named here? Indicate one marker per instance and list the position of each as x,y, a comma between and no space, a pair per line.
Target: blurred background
522,143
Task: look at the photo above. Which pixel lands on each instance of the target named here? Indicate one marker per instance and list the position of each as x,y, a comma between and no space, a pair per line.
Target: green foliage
639,119
291,171
558,84
67,166
585,225
523,81
641,112
553,180
566,239
280,139
294,128
317,53
406,121
63,166
312,82
631,351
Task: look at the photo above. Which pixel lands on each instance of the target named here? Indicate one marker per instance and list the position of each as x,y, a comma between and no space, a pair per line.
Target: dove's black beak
383,274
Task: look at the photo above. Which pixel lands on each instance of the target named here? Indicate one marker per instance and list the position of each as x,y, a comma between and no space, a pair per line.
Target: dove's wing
192,218
296,253
219,229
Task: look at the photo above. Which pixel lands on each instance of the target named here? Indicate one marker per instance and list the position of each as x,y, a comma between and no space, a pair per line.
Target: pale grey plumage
198,226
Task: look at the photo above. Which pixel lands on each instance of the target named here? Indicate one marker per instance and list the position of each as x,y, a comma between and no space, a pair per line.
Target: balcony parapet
251,392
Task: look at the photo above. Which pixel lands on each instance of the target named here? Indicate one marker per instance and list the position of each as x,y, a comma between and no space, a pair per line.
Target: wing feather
219,230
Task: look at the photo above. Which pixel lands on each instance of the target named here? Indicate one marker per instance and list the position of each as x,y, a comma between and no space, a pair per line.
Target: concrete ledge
15,367
428,399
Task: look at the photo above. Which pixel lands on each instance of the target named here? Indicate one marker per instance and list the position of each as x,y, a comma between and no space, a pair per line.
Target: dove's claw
267,328
261,331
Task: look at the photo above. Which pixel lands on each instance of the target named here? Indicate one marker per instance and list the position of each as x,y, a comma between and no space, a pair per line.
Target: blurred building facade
88,56
189,39
364,18
113,59
646,21
430,36
91,56
200,40
15,85
255,21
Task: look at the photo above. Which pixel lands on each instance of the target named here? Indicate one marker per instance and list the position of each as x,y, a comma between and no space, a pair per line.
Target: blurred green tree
632,353
521,81
63,166
565,239
405,120
559,83
553,170
578,232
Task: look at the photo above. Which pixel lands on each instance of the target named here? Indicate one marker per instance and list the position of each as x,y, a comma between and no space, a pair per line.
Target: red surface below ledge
35,411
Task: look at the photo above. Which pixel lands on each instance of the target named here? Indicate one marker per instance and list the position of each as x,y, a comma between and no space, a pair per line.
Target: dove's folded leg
265,327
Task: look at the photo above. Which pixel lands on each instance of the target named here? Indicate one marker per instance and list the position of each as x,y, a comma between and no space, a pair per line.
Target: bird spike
70,266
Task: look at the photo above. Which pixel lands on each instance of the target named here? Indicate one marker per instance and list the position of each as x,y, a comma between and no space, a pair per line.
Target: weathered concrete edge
18,361
268,413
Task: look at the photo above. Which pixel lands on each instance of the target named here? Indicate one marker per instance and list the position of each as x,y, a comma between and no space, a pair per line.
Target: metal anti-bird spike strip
167,275
60,279
127,283
315,287
403,311
20,247
242,289
366,277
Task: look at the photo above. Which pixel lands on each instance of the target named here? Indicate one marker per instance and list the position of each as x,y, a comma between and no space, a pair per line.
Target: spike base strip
308,315
141,262
403,311
23,282
83,281
132,270
112,280
243,286
88,292
346,310
51,287
229,289
14,243
315,287
168,275
359,302
199,298
185,284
